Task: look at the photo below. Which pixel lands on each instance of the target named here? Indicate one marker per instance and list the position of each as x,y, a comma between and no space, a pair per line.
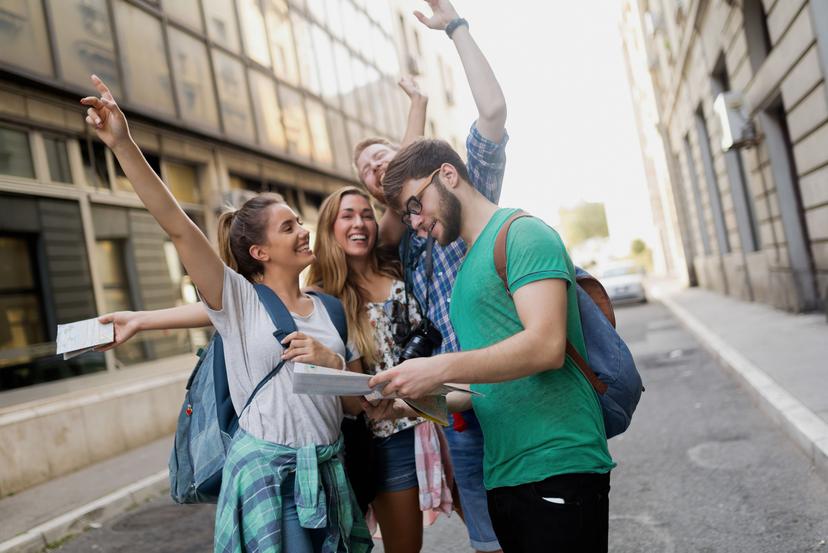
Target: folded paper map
312,379
82,336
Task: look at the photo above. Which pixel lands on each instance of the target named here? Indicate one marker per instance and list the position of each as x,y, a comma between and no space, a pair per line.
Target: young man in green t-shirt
546,462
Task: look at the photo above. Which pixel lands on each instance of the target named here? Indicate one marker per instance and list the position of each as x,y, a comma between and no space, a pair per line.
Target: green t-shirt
542,425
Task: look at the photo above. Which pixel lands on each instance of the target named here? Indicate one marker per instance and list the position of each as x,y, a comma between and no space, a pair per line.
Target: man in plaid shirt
486,163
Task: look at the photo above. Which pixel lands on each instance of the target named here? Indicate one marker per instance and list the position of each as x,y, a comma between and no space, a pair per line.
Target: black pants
562,514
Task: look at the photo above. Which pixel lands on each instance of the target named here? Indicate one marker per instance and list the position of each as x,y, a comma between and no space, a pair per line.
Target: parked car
624,283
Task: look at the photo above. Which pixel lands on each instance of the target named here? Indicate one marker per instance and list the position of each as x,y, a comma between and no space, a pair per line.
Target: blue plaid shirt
486,163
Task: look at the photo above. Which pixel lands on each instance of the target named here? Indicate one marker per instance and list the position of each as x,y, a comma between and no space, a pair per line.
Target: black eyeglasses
413,206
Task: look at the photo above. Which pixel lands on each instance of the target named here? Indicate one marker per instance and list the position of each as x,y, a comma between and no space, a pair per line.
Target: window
361,89
370,90
333,8
182,180
694,186
339,141
281,41
342,59
93,156
193,80
714,193
319,132
254,35
221,23
58,159
245,183
267,110
144,58
15,154
325,61
84,42
111,267
21,322
296,125
304,51
185,11
756,32
23,38
316,8
233,96
350,18
122,182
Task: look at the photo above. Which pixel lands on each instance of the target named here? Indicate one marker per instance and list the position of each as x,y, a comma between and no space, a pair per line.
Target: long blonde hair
330,273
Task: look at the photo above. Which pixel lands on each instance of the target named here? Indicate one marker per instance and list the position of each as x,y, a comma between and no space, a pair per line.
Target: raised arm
195,251
129,323
491,104
391,229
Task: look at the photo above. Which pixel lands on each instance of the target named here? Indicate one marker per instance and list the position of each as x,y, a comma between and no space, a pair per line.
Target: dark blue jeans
568,513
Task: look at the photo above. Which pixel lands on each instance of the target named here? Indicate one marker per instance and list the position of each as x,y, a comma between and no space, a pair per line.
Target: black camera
421,341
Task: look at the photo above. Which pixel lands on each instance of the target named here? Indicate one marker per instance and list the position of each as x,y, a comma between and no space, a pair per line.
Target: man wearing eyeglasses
546,463
485,147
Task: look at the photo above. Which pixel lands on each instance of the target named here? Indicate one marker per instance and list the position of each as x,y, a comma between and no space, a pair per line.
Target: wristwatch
454,23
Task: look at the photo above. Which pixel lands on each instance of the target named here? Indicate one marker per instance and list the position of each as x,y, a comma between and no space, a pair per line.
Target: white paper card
76,338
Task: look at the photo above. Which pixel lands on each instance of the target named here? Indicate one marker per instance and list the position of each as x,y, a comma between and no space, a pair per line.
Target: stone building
732,105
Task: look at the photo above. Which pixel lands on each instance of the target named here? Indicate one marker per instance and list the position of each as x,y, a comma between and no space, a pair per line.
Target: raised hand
104,115
301,348
442,13
410,87
126,326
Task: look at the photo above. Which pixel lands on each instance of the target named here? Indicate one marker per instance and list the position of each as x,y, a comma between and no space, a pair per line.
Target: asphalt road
701,469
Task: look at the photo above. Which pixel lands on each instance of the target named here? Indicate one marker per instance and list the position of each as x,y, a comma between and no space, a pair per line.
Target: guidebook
312,379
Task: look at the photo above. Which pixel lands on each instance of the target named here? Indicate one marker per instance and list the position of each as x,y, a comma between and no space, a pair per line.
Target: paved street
702,469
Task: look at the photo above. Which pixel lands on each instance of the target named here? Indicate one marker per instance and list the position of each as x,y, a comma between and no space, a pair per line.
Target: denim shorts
467,455
396,466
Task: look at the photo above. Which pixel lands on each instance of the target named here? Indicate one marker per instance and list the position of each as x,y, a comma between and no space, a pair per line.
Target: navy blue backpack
207,421
611,368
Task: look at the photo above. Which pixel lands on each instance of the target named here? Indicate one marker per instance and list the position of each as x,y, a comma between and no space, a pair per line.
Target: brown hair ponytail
240,229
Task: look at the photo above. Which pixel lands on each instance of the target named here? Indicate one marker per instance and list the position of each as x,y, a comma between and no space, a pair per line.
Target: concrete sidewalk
781,358
43,515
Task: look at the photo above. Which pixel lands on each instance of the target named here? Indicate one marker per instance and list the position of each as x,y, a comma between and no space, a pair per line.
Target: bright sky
571,122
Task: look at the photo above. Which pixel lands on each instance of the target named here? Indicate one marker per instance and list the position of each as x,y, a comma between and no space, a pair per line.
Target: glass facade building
225,97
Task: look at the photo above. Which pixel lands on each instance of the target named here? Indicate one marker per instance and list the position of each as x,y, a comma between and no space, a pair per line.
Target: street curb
808,430
75,521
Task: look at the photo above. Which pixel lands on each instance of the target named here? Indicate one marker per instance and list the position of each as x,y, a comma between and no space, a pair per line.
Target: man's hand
411,88
442,13
104,115
414,378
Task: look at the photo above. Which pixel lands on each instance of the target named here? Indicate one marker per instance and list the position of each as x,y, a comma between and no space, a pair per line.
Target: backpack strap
501,268
337,314
283,321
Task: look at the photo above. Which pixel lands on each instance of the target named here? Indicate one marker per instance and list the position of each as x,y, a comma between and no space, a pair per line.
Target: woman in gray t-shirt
287,449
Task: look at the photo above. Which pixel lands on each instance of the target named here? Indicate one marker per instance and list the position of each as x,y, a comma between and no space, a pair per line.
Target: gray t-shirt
251,351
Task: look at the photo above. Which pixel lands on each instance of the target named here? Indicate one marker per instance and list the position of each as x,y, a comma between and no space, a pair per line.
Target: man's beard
450,215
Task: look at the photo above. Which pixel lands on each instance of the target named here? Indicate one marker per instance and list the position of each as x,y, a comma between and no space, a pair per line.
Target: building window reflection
304,51
122,183
110,259
23,38
319,132
58,159
182,180
193,80
253,31
221,23
346,80
185,11
296,125
334,11
325,65
361,90
267,109
282,50
339,141
144,58
84,42
233,97
15,154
